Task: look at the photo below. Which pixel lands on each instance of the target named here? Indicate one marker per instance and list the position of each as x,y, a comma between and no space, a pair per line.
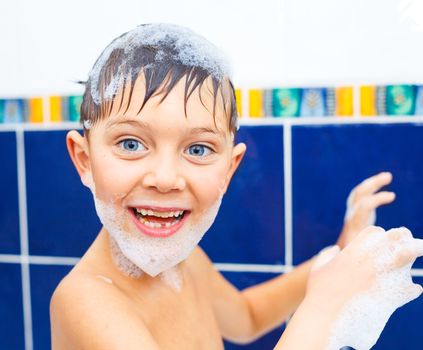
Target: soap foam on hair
188,48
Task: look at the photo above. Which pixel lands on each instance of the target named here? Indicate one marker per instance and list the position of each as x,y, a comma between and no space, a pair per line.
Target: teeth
159,214
156,224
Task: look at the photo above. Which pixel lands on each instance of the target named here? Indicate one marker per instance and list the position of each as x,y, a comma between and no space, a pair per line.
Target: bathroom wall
287,200
285,204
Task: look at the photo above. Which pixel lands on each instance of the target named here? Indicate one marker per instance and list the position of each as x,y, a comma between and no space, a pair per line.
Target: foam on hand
363,318
183,46
352,208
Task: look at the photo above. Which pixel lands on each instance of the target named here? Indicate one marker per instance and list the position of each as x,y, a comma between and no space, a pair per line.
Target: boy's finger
376,200
414,291
373,184
416,247
409,252
371,231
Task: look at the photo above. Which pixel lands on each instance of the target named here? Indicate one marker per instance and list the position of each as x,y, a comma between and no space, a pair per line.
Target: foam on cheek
88,181
363,318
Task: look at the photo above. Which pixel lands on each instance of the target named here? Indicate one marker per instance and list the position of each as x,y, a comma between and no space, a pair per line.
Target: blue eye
131,145
199,150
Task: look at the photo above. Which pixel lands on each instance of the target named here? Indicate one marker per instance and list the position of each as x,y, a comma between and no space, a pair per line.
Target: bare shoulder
88,312
199,262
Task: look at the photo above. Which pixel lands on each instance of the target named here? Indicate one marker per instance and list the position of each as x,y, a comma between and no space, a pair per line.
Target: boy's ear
237,155
78,151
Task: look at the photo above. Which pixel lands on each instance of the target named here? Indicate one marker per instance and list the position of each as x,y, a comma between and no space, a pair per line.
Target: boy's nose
164,176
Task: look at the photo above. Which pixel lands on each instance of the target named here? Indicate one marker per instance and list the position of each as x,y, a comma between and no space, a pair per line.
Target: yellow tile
238,98
35,110
256,103
344,101
55,108
368,101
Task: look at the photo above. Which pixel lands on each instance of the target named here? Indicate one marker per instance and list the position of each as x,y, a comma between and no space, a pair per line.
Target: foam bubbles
122,262
151,255
363,318
174,44
173,278
352,208
88,124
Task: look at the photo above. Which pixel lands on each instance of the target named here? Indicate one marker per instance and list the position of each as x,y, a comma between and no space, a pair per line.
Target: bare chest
181,320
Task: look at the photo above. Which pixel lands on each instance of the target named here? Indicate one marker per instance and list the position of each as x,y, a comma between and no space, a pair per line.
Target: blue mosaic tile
250,225
9,204
11,309
61,216
44,279
329,160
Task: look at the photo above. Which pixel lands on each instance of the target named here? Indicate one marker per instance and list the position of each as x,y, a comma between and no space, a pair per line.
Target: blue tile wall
252,212
44,280
329,160
11,310
9,204
61,214
244,280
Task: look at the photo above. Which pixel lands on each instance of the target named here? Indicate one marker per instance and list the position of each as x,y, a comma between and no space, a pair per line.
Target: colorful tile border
40,109
390,100
373,100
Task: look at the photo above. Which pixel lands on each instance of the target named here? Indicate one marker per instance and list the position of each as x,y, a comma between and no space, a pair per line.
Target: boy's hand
362,203
360,287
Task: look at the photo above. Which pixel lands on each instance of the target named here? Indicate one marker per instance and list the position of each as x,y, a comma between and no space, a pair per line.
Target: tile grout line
23,228
230,267
287,174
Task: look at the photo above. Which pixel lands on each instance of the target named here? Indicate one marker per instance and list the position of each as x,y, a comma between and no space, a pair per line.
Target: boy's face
160,173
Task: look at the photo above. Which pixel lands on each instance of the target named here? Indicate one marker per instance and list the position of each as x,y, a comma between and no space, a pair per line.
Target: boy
158,154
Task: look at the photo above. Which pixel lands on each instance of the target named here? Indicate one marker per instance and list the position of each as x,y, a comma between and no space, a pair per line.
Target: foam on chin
152,255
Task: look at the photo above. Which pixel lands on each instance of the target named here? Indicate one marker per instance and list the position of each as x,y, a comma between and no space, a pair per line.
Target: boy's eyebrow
141,124
208,130
136,123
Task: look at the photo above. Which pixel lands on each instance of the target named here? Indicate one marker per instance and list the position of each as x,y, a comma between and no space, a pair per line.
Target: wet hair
164,54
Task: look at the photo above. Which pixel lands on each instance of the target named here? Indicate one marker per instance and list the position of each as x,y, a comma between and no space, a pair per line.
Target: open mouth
158,222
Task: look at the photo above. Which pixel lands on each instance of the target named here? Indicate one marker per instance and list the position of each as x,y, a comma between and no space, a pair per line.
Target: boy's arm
261,308
245,316
92,315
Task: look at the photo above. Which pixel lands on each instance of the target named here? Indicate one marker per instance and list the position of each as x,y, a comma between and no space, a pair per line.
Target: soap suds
172,278
151,255
88,124
363,318
174,44
352,208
